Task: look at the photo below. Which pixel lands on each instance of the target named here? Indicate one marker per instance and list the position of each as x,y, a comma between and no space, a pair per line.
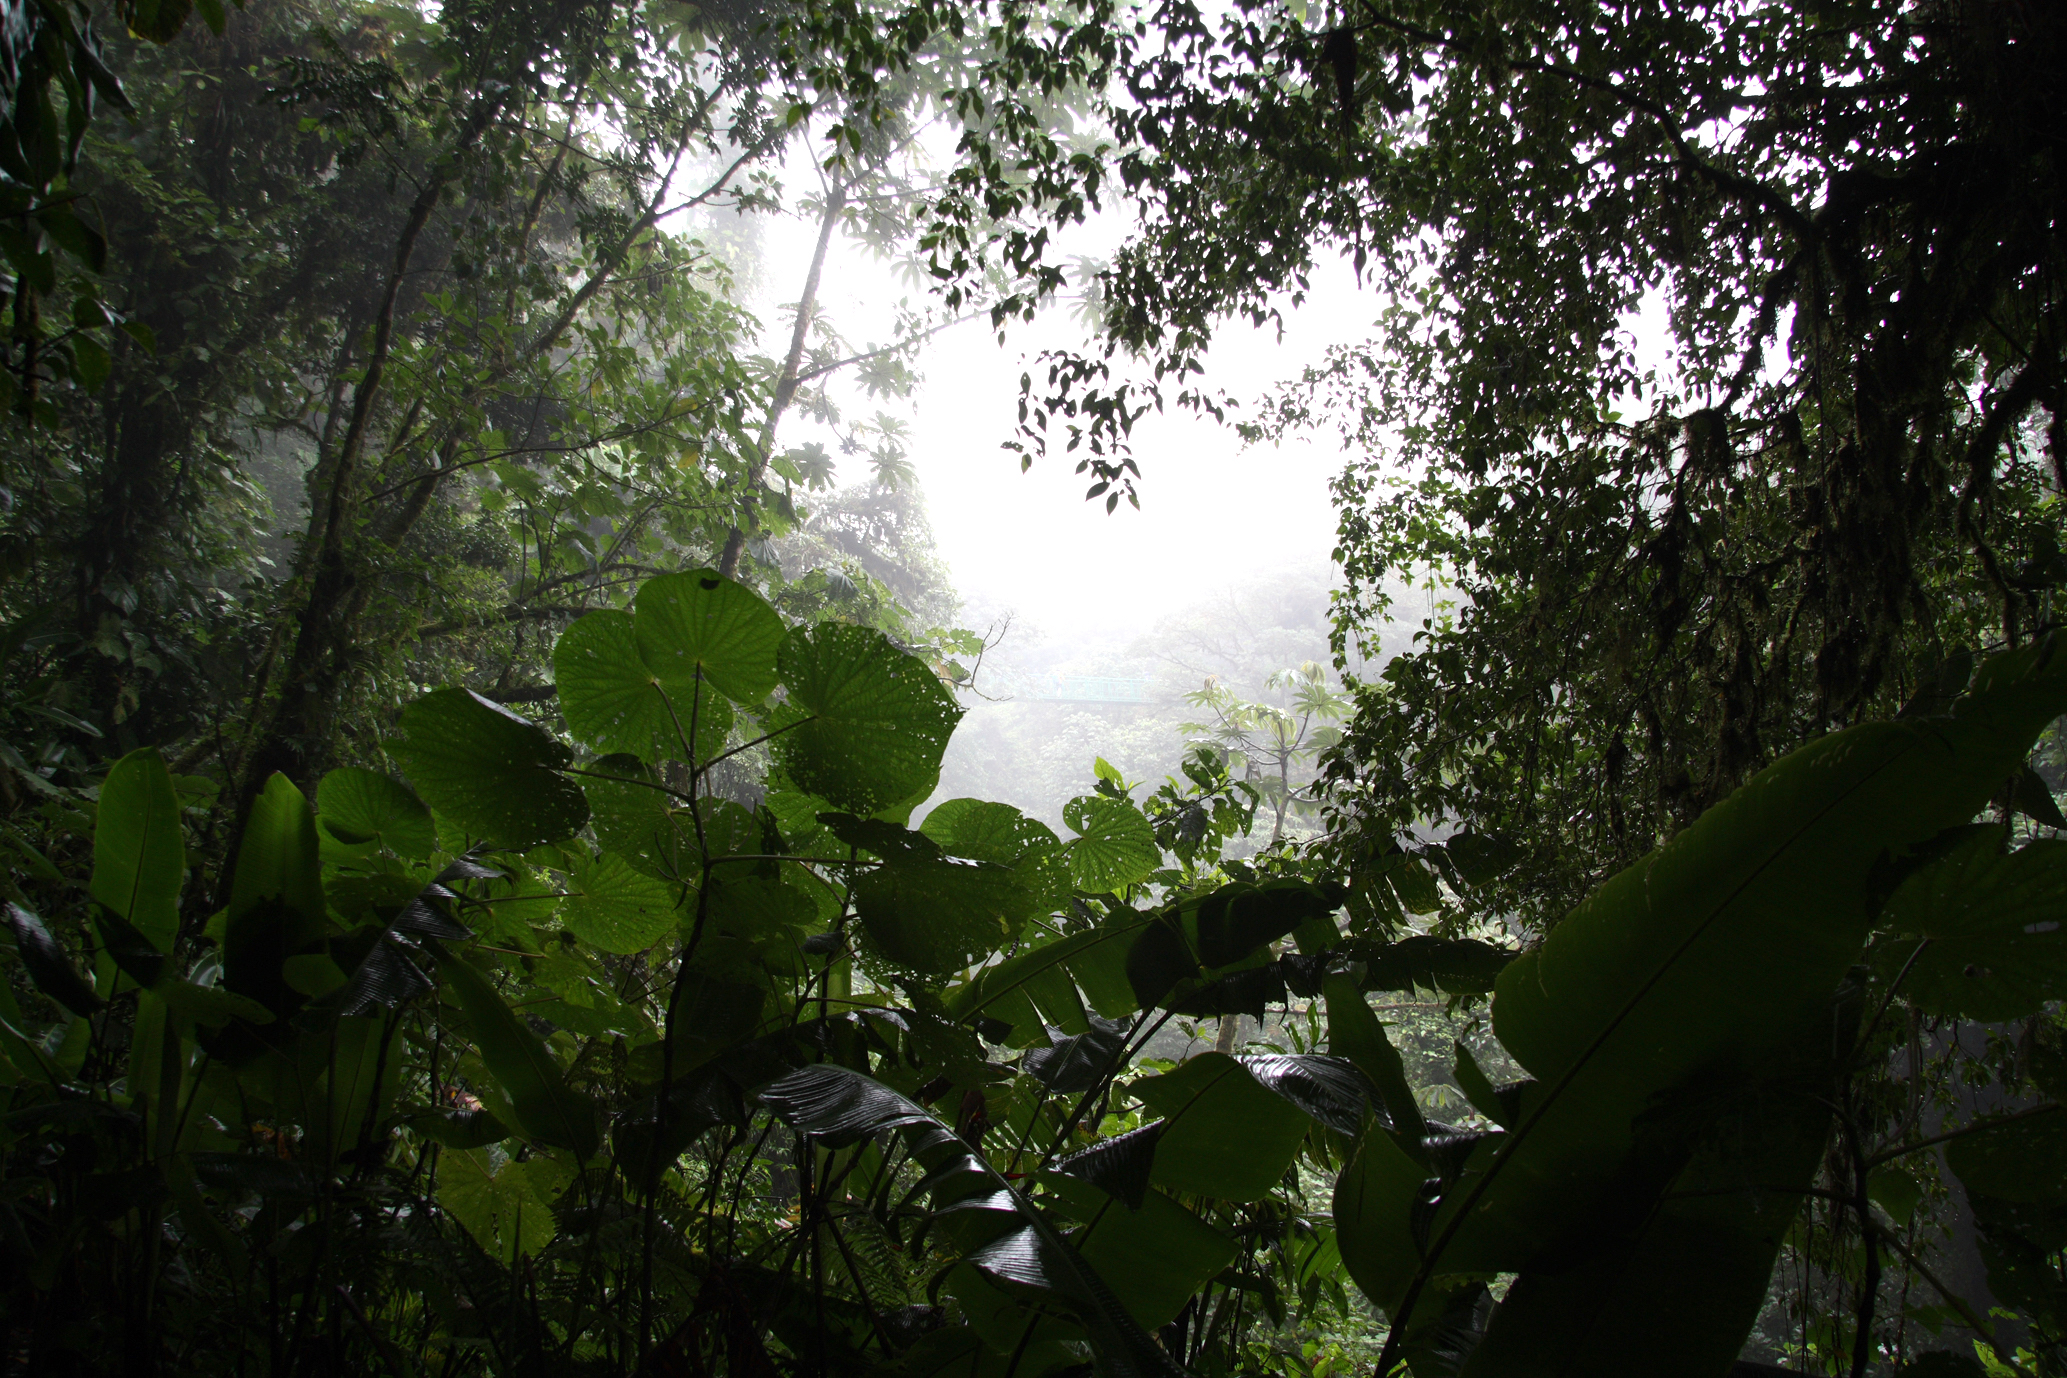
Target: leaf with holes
1115,846
617,704
865,724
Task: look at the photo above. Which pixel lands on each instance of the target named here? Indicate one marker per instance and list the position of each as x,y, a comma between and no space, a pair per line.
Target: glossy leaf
1355,1033
841,1106
1119,1166
48,966
1073,1065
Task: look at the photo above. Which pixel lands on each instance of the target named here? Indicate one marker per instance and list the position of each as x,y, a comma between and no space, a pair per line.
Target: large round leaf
489,770
617,908
1977,932
355,805
936,917
616,704
1117,846
984,831
866,723
702,622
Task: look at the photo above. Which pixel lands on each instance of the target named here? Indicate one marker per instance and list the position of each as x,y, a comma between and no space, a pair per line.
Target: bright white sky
1212,513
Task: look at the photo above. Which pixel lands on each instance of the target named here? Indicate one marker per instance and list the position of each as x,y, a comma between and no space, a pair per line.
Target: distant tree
1270,743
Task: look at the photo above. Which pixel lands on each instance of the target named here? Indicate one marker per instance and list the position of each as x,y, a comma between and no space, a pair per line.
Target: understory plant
574,1053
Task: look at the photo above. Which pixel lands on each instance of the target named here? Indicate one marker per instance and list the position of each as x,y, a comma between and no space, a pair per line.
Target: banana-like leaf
1119,1166
547,1109
389,975
842,1106
1041,985
1328,1089
139,856
1710,963
1073,1065
1447,966
1225,1133
651,1133
49,967
1200,937
276,908
1355,1033
1155,1255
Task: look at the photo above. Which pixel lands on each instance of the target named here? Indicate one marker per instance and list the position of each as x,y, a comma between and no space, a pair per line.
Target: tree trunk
785,384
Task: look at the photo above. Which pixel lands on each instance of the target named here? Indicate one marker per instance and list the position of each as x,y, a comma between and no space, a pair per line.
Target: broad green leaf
357,806
844,1106
616,908
1692,981
488,770
1116,846
616,704
865,723
1978,931
546,1108
1680,1294
639,821
700,622
276,908
139,857
212,1006
1895,1191
1480,857
1154,1258
1225,1135
983,831
936,917
359,1083
1373,1211
1355,1033
2021,1160
508,1212
1042,983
